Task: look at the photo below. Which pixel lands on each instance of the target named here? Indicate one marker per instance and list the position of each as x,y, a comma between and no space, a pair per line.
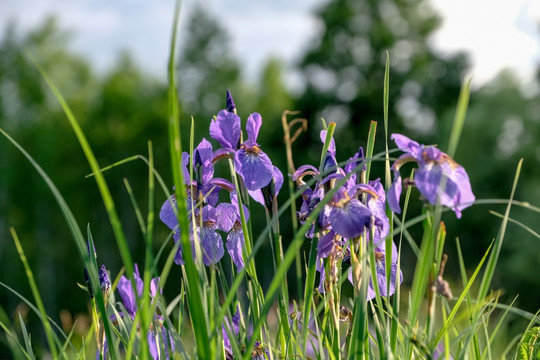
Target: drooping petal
226,215
254,166
185,171
153,344
235,328
326,244
234,201
226,129
128,296
377,206
167,214
258,194
278,178
466,197
211,245
253,126
394,193
178,258
235,241
350,218
381,276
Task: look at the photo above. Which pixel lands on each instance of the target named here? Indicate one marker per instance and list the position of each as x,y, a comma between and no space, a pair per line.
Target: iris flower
346,214
202,198
381,276
103,275
250,162
230,223
438,176
156,342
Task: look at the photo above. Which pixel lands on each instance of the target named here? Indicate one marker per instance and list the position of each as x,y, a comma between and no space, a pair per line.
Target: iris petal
350,219
254,166
253,126
235,240
226,129
212,245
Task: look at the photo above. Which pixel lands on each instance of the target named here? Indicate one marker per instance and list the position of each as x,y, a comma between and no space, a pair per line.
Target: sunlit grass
273,320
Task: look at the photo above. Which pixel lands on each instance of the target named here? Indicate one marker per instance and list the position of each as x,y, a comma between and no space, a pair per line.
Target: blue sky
497,34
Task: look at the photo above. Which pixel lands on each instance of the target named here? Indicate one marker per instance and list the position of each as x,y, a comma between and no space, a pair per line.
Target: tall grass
214,317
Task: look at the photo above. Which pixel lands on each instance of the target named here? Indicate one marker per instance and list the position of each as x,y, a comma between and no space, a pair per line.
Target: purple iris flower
231,224
156,339
202,198
438,176
156,342
234,327
267,195
381,276
125,289
103,275
356,209
250,162
345,213
104,281
349,217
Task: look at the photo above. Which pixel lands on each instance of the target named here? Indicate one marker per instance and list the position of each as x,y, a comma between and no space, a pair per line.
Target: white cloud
497,34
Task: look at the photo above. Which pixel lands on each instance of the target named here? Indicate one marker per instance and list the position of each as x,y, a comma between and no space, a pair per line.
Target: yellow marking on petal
447,159
251,150
344,201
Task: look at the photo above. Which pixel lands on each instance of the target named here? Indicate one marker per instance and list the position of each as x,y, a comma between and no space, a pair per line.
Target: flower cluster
355,210
344,210
261,179
160,343
157,341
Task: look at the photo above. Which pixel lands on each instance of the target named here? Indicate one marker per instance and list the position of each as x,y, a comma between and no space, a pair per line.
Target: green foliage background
342,77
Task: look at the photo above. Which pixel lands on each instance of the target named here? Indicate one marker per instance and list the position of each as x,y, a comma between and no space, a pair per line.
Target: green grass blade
14,343
327,141
464,293
308,289
26,338
459,119
370,147
199,321
492,262
37,297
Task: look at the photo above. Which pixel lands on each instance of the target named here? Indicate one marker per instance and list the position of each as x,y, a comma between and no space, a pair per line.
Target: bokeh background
322,58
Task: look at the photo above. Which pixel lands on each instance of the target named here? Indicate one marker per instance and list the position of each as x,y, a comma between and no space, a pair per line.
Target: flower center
254,150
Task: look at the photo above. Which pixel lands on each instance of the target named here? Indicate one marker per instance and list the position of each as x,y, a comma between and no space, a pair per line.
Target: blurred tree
118,113
206,68
31,114
343,69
